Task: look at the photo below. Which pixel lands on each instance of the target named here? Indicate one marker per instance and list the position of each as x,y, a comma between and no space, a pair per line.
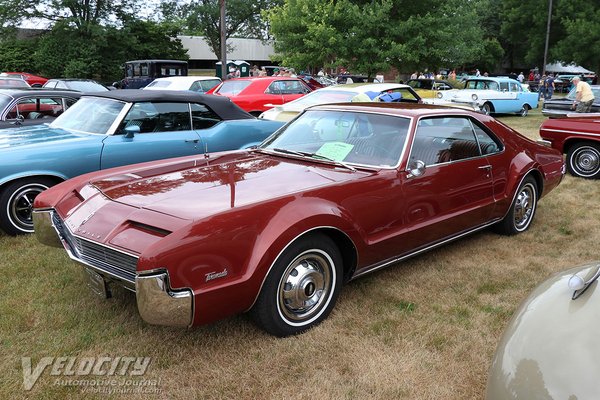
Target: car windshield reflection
347,137
90,115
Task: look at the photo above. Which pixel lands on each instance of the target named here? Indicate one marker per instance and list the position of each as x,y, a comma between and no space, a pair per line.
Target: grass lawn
423,329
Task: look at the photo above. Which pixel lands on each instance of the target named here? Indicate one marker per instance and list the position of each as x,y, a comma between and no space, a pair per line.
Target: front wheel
301,288
16,204
522,209
583,160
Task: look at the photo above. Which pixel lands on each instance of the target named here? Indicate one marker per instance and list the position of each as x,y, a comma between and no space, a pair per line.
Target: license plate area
97,284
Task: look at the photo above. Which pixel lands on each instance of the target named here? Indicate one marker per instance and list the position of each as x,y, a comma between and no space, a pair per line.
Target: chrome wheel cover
585,161
524,207
487,110
20,206
306,287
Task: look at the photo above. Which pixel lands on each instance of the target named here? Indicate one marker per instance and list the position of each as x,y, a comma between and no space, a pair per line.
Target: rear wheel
522,209
16,204
486,108
301,288
524,110
583,160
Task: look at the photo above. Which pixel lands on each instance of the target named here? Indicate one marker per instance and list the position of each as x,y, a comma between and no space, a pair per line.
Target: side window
514,87
144,69
50,84
442,140
61,85
69,102
504,86
487,143
157,117
203,117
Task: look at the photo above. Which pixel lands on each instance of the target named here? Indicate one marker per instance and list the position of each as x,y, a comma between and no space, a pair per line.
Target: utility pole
547,36
224,41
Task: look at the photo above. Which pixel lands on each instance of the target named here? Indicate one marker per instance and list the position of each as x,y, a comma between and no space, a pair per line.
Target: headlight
439,95
474,97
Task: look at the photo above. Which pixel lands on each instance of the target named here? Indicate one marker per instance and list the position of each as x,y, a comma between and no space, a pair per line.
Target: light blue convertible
109,129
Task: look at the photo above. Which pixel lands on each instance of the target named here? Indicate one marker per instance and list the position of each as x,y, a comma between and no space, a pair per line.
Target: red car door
455,192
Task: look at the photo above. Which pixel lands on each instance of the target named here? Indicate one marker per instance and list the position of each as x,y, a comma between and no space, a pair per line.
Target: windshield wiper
313,155
322,157
286,151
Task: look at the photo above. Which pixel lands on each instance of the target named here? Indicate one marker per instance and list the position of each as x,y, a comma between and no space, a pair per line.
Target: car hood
188,190
12,138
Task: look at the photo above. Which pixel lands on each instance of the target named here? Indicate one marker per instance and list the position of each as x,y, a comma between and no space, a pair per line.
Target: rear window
233,87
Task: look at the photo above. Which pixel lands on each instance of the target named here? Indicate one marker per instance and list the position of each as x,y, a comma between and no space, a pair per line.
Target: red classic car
578,136
339,192
256,95
32,80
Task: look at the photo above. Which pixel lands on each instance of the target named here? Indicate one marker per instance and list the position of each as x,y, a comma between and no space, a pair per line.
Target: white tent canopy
561,68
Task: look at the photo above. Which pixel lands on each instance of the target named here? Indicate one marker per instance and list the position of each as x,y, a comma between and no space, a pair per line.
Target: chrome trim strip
288,245
158,304
573,132
415,253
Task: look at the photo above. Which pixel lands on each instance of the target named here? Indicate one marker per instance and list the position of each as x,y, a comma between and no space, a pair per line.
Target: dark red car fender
245,250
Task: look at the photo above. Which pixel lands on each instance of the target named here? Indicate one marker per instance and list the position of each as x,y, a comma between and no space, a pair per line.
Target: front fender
225,259
26,174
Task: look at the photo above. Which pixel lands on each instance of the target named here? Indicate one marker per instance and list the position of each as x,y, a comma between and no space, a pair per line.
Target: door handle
192,140
486,167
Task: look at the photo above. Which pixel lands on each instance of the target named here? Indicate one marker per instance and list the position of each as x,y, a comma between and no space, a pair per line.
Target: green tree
371,36
581,42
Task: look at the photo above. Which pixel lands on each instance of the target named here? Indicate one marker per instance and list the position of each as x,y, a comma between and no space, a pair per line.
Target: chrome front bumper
157,302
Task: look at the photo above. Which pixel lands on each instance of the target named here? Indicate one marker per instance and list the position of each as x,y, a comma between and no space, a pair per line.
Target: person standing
542,88
521,77
584,97
415,75
321,73
549,86
477,73
531,76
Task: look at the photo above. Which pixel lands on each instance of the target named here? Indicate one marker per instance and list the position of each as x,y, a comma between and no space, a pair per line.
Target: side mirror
19,120
415,169
131,131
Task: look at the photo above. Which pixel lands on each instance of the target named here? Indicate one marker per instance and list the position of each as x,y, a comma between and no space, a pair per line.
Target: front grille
113,262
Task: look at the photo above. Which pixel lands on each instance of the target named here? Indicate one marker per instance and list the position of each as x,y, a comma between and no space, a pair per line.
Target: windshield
233,87
86,86
345,136
89,115
572,94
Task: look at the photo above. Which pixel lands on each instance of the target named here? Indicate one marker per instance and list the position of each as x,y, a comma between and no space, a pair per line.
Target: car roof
364,87
26,91
72,79
219,104
265,78
190,78
398,109
493,78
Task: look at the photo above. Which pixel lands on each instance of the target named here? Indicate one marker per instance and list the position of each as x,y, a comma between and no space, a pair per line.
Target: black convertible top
224,107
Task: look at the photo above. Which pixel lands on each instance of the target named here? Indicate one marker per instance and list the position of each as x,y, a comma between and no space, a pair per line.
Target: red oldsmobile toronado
341,191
